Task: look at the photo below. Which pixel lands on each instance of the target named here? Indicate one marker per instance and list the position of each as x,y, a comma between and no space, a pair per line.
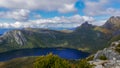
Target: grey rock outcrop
110,52
113,57
15,35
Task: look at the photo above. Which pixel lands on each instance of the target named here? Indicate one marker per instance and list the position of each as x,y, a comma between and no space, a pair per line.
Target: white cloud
19,15
100,7
46,5
67,8
63,22
112,11
99,22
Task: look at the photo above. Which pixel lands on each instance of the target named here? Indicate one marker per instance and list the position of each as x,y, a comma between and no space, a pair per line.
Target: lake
66,53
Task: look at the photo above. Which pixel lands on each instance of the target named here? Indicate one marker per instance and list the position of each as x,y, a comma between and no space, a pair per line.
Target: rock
99,66
113,57
106,64
19,38
14,35
110,52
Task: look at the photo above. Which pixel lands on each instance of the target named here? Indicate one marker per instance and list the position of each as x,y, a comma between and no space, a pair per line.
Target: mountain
112,26
113,23
103,41
83,37
88,37
109,57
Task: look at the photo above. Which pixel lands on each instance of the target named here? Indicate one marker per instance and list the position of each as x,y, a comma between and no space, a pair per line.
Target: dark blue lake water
70,54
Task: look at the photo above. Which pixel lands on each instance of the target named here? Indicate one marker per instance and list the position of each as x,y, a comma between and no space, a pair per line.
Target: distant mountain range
85,37
2,30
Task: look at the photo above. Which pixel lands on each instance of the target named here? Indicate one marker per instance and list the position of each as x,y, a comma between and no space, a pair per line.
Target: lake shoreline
66,53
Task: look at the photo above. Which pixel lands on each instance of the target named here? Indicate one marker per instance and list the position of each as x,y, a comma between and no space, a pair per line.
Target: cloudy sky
56,13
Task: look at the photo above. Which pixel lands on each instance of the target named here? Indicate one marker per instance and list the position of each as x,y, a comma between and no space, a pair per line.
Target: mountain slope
112,26
113,23
83,37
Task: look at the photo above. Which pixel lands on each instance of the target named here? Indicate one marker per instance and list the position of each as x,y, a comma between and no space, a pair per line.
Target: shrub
103,57
53,61
90,58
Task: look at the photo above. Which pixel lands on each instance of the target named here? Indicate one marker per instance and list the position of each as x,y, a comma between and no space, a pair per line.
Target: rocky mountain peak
84,26
115,17
113,23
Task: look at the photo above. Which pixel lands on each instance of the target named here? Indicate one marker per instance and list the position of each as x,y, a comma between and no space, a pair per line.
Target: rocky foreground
108,57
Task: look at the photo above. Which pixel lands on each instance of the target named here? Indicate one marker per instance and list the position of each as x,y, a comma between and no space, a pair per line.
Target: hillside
83,37
112,28
25,62
113,23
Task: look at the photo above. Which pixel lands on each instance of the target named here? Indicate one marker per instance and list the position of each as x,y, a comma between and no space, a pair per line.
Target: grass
25,62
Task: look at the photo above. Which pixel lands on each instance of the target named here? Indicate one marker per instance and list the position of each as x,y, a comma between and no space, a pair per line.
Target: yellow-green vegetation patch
102,57
53,61
25,62
48,61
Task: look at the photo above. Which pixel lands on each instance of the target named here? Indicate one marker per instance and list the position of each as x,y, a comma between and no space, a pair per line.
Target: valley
84,36
20,44
59,33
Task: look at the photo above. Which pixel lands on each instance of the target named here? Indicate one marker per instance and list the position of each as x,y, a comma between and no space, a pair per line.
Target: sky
56,13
